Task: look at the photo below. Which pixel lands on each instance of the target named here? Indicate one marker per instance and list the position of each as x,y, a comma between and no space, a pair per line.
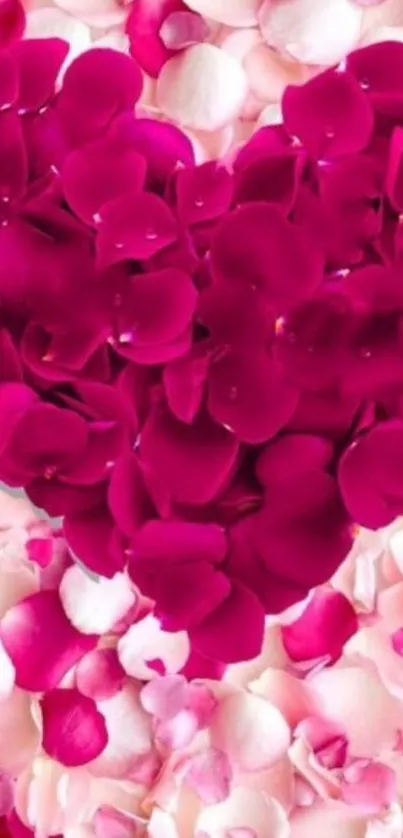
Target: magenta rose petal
193,461
184,382
188,594
9,81
331,115
143,27
41,642
394,174
96,174
203,193
39,62
134,227
100,84
163,304
164,146
74,731
128,500
291,455
274,178
12,22
13,158
89,535
378,69
249,395
256,248
48,439
180,541
234,632
99,674
323,628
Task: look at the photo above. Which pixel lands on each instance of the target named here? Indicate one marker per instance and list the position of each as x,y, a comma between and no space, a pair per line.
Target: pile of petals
201,366
218,68
104,731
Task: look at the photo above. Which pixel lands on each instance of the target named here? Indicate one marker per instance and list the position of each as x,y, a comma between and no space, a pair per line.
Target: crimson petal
134,227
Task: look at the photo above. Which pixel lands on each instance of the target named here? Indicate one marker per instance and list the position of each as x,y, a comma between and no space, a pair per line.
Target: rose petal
203,88
234,631
93,607
74,731
41,642
250,730
323,628
119,239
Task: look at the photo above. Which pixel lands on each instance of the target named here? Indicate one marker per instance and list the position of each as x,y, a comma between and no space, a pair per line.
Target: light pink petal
164,697
41,642
97,13
203,88
311,31
369,788
289,694
234,13
209,774
93,607
251,731
328,621
19,734
145,646
245,813
108,823
100,675
129,733
327,820
343,693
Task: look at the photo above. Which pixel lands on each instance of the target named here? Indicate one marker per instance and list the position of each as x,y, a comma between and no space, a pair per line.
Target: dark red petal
39,61
330,115
134,227
234,632
256,248
194,462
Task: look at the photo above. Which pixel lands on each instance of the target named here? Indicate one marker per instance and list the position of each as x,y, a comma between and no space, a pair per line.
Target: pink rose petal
41,642
74,731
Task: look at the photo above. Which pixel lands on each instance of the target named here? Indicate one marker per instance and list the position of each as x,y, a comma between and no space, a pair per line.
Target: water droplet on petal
365,353
199,202
119,245
364,84
151,234
233,394
96,218
49,472
49,356
329,134
126,337
117,300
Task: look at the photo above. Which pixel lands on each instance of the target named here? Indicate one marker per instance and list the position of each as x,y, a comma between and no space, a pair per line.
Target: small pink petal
164,697
372,788
203,88
99,675
182,29
74,731
209,774
41,642
251,731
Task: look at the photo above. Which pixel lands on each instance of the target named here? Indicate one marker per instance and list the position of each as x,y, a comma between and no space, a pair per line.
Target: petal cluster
201,365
